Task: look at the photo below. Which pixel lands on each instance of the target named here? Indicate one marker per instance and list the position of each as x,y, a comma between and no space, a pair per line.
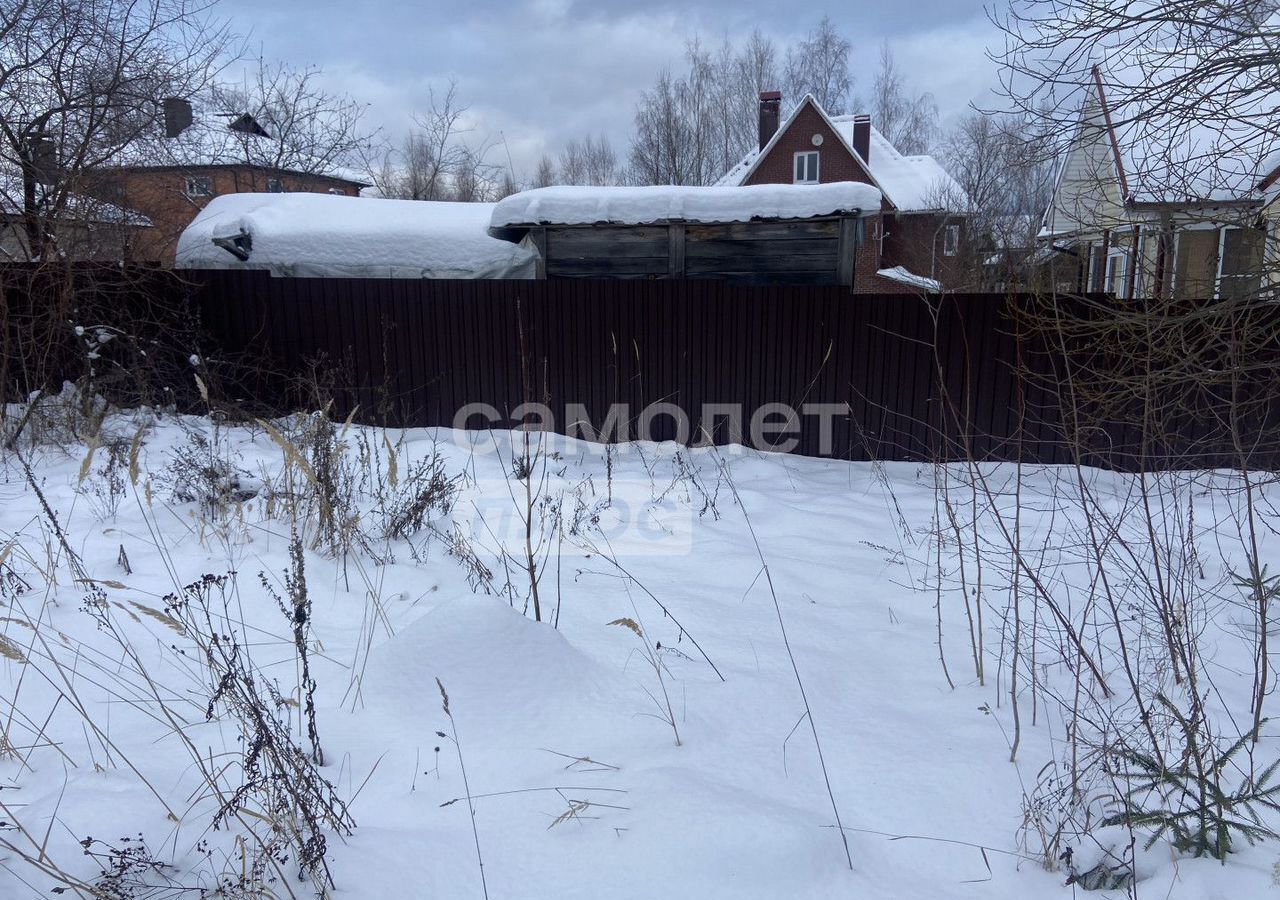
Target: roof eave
180,167
834,215
1195,203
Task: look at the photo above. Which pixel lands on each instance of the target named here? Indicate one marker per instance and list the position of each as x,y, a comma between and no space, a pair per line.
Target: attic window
198,186
806,171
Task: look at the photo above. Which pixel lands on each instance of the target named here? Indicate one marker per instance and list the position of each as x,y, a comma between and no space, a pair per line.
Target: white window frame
1222,249
1117,264
951,241
1139,263
1091,266
795,167
1222,255
191,186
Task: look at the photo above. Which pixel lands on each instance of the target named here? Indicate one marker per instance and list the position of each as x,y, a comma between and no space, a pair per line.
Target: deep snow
738,810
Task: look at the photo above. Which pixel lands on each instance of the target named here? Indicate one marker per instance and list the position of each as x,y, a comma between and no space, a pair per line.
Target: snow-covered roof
1187,128
211,141
1270,163
647,205
902,276
911,183
328,235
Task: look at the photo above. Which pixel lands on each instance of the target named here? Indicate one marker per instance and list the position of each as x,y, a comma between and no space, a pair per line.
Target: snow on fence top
360,237
648,205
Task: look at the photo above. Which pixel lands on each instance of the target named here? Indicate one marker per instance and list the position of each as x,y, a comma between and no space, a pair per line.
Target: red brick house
916,240
169,178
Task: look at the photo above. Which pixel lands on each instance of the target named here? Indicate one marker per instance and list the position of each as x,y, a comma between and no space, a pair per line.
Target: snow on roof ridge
210,141
572,205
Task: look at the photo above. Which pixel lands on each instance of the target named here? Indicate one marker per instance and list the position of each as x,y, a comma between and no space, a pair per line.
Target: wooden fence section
923,378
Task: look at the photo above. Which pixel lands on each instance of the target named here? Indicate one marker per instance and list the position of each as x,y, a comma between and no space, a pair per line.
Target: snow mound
322,235
511,679
647,205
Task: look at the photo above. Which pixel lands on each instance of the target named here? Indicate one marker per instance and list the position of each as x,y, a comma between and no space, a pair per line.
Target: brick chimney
177,116
770,113
862,137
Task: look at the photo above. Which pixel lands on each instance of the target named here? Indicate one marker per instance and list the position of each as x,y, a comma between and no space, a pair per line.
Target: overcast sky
539,72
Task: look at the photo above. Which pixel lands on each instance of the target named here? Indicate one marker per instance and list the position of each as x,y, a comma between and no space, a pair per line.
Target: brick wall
918,243
835,163
160,195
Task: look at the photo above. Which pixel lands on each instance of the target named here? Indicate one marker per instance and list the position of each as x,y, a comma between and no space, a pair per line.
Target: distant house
917,236
1146,206
766,234
169,177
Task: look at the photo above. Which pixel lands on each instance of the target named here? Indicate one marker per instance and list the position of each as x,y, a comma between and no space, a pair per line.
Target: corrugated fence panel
922,377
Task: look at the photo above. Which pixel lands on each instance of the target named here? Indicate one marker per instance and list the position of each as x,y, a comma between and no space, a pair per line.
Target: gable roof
909,183
1089,185
1166,155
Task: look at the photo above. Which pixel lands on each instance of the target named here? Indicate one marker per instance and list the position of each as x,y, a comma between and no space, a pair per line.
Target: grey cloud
542,71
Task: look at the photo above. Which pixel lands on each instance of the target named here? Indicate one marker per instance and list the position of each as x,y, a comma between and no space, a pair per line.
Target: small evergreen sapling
1188,801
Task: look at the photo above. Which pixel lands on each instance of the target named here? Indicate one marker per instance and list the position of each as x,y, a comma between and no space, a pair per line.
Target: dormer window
806,167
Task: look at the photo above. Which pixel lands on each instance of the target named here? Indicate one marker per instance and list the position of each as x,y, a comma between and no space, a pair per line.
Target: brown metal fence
923,378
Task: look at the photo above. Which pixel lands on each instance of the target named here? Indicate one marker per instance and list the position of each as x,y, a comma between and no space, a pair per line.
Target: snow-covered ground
647,739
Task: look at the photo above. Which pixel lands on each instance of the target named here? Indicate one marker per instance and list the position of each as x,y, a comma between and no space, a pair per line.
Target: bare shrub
105,486
413,500
202,472
280,785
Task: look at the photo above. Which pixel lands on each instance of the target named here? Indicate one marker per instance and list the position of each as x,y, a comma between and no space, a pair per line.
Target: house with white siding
1151,206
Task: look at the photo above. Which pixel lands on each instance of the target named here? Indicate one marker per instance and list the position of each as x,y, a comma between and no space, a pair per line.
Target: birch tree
819,65
909,119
